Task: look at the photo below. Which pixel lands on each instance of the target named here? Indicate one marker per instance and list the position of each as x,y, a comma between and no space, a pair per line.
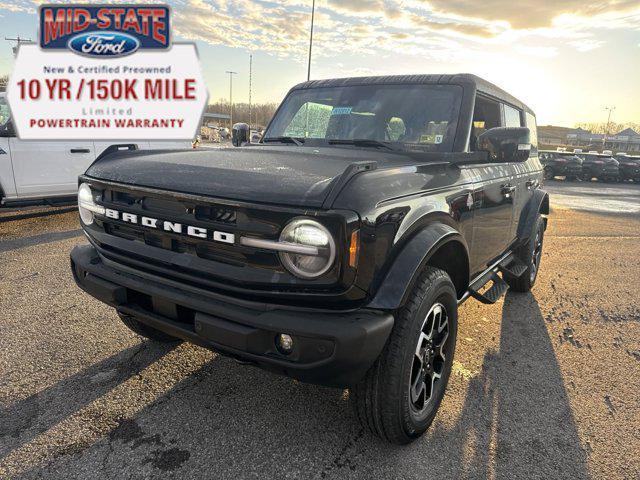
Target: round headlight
308,233
86,204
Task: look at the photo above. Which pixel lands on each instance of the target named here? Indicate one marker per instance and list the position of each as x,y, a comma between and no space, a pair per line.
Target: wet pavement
545,385
595,196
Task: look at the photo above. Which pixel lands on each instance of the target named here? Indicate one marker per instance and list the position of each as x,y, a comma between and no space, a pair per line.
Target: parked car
256,136
561,164
629,167
37,171
338,249
599,166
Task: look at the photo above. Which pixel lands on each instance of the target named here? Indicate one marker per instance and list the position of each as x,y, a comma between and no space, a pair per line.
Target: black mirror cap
240,134
506,144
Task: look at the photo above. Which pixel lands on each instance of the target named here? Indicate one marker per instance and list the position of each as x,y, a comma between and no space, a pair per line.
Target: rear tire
531,254
146,331
399,396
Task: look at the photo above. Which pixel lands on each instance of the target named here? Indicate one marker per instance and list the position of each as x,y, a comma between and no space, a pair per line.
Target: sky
566,59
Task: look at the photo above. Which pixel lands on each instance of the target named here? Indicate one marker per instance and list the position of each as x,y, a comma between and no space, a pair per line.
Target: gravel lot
545,384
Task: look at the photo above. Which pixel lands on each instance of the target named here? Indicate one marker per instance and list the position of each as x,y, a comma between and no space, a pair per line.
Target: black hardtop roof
463,79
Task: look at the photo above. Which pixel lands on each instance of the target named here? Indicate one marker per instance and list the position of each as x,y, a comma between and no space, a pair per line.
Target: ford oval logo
104,44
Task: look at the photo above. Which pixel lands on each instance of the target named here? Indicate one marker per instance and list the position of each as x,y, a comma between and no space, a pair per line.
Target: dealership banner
106,72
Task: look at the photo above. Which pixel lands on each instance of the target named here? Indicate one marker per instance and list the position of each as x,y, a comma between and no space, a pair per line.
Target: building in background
551,137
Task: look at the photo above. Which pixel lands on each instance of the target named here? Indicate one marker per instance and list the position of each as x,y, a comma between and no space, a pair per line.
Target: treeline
261,113
4,79
613,128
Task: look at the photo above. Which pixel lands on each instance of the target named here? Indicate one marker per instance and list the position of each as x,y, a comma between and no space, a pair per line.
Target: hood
287,175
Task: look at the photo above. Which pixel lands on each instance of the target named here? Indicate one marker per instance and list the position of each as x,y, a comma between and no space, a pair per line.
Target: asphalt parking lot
545,385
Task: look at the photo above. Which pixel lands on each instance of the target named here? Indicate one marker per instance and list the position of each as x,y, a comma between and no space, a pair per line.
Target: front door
49,168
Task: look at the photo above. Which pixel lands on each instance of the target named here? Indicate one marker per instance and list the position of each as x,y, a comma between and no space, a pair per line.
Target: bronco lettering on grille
173,227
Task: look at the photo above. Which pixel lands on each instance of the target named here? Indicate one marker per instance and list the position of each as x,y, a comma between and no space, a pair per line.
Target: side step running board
494,293
508,264
515,268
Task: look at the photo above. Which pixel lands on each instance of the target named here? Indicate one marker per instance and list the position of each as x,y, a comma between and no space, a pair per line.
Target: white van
32,171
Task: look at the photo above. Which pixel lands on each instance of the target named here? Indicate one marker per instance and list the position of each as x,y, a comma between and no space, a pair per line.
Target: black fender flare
538,204
403,273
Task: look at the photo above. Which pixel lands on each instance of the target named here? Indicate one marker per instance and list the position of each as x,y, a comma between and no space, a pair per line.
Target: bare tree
596,127
261,113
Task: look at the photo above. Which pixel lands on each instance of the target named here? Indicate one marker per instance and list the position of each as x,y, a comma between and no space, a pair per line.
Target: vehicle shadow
24,420
515,421
517,414
49,237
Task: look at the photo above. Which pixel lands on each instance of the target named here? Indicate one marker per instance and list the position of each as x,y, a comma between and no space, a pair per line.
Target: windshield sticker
431,139
341,110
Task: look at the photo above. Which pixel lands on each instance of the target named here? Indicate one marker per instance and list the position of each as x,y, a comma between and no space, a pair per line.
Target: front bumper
333,348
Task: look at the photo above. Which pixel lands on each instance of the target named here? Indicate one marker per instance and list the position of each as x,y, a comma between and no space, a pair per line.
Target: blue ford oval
104,44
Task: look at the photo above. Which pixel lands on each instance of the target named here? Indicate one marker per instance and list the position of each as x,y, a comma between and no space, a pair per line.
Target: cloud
428,28
538,51
587,44
526,14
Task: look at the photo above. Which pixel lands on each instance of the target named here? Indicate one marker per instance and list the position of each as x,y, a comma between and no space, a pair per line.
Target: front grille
216,214
209,258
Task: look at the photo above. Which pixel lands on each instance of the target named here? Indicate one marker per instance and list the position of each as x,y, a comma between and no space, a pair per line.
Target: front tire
146,331
399,396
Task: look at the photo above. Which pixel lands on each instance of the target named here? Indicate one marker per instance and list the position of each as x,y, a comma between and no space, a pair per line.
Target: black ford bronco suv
338,249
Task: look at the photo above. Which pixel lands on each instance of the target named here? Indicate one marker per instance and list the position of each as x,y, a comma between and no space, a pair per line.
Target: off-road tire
526,252
382,399
147,331
549,174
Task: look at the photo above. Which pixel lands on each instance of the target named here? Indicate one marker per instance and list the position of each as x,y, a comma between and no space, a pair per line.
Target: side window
533,128
512,117
486,115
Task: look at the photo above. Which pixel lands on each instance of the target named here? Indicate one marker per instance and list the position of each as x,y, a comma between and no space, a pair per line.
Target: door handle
507,189
80,150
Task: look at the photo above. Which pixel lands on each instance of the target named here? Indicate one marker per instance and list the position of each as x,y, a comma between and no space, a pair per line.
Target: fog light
284,343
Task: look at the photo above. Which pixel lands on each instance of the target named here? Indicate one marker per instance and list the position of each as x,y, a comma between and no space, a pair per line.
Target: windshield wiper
362,142
297,141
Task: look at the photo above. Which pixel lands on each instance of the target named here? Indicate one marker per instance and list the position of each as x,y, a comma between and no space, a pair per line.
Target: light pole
606,130
313,11
231,74
250,74
19,41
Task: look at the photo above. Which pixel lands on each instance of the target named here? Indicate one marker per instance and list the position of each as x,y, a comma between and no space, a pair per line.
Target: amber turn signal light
354,246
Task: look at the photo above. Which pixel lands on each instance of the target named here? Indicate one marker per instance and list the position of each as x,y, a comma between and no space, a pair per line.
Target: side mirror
506,144
240,134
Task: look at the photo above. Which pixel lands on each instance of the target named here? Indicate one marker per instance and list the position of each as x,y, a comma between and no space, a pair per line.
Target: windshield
408,117
4,112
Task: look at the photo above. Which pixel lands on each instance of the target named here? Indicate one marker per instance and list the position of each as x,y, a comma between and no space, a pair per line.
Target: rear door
522,173
493,198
